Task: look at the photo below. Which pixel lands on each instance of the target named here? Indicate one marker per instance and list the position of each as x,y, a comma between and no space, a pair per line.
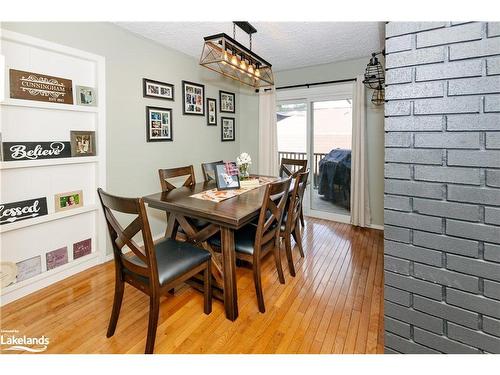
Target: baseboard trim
375,226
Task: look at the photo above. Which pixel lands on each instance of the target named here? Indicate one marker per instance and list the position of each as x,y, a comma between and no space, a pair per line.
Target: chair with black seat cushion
291,168
290,223
253,242
153,270
209,170
171,173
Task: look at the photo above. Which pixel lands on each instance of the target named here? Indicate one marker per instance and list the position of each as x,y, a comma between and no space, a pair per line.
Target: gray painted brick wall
442,187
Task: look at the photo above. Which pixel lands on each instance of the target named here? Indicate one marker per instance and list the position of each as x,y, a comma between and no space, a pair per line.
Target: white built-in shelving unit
30,121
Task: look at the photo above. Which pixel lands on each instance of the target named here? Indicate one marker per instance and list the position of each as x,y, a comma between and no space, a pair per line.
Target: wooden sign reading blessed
36,150
22,210
41,87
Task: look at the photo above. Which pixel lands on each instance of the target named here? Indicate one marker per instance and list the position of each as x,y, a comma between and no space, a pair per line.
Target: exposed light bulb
257,72
234,60
225,56
250,69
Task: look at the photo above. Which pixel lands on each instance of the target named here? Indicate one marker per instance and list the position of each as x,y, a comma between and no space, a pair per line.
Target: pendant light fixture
375,78
226,56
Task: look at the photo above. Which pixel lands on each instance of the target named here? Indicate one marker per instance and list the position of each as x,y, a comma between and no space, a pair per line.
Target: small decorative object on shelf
13,151
243,162
82,248
22,210
29,268
86,96
41,87
82,143
67,201
56,258
8,273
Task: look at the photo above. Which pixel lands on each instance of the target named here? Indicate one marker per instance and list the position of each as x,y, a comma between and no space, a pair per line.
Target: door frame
309,96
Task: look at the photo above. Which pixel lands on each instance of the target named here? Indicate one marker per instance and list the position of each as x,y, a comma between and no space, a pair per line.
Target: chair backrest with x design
271,213
170,173
209,170
295,202
121,237
292,167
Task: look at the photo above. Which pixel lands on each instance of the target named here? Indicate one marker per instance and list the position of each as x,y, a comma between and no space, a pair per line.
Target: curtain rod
311,84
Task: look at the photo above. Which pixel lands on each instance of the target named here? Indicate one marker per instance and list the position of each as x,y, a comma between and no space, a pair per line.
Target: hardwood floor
333,305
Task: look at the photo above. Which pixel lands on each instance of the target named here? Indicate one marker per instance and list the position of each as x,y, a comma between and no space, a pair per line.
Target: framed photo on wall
227,129
227,102
193,98
227,176
158,124
211,112
157,89
82,143
68,201
86,96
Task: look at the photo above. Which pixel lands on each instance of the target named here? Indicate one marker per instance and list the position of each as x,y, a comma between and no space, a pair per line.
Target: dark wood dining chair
290,223
153,270
208,170
171,173
254,242
291,168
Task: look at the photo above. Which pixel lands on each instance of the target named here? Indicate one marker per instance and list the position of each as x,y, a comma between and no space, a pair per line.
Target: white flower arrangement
243,159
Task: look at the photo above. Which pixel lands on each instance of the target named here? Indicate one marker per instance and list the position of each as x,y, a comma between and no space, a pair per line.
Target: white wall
374,114
132,163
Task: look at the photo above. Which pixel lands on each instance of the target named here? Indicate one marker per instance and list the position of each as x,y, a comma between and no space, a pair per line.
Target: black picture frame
190,108
145,94
227,139
211,122
221,174
221,102
150,137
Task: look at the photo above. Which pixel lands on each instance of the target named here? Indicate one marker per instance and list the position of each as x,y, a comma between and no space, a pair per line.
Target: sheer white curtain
360,205
268,134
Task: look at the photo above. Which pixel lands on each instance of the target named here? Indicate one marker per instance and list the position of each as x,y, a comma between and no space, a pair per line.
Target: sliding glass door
316,124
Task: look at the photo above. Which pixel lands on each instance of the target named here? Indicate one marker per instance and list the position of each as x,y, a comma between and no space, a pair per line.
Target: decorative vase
244,174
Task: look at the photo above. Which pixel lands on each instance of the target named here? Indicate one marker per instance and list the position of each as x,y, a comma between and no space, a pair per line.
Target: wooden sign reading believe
22,210
40,87
36,150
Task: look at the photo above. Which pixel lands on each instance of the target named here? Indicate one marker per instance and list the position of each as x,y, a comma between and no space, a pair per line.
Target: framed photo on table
227,176
211,112
159,124
157,89
193,98
227,129
227,102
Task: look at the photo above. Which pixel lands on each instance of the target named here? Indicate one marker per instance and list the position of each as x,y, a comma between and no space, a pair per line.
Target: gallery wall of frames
53,159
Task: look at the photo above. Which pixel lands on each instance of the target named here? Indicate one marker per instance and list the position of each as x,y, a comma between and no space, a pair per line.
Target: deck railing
302,156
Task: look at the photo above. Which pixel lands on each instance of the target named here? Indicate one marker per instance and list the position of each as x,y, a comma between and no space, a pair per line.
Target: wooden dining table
221,217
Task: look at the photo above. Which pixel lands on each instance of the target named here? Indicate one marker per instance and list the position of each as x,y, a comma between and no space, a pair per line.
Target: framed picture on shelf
227,176
157,89
227,129
68,201
86,96
227,102
82,143
211,112
193,98
158,124
56,258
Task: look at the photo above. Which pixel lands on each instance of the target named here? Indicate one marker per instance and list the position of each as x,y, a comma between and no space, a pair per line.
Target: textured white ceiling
286,45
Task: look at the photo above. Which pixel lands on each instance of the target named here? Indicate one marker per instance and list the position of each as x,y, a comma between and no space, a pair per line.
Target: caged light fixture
226,56
375,79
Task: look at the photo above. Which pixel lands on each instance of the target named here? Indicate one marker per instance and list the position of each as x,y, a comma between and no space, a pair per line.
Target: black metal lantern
374,73
378,96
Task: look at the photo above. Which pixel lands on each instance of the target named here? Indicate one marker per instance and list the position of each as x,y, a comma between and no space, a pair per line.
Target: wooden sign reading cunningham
40,87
